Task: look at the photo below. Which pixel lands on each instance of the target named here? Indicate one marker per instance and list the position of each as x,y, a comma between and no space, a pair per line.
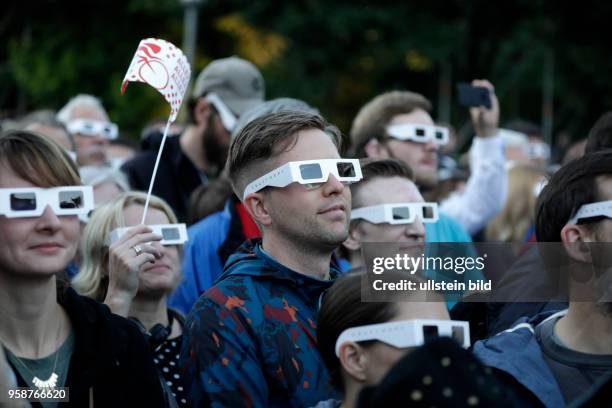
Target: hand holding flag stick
164,67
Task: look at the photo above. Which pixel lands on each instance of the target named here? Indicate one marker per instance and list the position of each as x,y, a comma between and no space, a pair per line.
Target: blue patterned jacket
250,340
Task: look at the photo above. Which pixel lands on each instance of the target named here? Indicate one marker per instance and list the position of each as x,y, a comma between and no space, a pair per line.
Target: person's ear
376,150
575,241
256,206
353,361
353,241
201,111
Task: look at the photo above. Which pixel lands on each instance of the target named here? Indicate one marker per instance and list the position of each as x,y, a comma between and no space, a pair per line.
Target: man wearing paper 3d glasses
397,124
554,359
87,120
251,337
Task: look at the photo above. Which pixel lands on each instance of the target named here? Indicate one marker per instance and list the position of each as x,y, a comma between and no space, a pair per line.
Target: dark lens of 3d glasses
439,135
23,201
311,171
401,213
107,130
458,334
346,169
88,127
170,234
70,199
427,213
430,333
420,132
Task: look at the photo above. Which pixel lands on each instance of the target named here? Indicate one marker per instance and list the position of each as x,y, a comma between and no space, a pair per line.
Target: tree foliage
335,55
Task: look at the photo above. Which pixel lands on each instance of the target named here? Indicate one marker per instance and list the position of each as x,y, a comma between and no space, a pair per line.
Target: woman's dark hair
342,309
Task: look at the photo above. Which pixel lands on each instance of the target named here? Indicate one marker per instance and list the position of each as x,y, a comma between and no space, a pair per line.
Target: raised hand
485,121
126,258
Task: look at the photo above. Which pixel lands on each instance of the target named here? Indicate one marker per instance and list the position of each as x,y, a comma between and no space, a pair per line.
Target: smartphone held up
473,96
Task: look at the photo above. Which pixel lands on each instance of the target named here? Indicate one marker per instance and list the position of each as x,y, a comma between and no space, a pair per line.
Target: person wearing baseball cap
237,83
225,89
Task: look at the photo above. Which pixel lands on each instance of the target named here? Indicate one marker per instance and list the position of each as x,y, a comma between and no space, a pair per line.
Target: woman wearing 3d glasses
134,269
54,338
361,341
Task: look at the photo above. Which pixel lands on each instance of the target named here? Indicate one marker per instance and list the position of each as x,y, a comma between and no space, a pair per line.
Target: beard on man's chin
214,152
426,182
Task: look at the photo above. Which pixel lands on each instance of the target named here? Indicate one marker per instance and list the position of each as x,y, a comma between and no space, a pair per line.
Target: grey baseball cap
237,82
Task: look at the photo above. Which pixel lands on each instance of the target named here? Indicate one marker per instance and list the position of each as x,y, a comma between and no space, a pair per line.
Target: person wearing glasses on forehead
223,91
54,338
250,339
132,268
398,125
87,121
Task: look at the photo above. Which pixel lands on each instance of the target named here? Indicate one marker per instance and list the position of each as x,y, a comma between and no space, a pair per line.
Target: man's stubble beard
424,182
214,152
313,234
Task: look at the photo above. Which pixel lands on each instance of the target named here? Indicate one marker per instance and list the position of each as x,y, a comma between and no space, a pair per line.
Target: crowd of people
259,302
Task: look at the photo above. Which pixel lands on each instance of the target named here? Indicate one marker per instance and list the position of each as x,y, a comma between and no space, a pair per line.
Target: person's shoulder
87,314
235,294
446,229
211,223
448,221
141,158
517,339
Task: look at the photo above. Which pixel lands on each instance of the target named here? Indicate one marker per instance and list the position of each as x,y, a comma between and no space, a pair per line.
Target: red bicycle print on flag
152,69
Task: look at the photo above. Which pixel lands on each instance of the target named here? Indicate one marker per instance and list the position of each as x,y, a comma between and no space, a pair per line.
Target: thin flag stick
159,154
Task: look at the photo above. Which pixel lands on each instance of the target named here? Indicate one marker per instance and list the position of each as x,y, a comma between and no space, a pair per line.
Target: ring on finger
137,249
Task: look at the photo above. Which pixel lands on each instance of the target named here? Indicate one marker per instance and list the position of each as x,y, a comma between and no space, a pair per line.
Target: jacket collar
251,260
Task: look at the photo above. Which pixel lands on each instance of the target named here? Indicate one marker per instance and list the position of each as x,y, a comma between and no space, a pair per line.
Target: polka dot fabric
438,374
166,358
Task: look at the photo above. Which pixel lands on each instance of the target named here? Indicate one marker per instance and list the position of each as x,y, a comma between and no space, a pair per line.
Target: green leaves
335,55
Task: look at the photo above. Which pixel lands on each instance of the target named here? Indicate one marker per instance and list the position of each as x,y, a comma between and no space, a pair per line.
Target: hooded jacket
517,353
250,340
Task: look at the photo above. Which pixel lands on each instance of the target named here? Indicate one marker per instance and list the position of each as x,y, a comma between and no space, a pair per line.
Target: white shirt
486,189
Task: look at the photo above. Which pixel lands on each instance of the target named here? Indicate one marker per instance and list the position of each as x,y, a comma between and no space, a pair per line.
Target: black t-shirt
574,371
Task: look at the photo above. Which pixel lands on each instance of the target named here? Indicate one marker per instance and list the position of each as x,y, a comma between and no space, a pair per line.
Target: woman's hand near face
126,258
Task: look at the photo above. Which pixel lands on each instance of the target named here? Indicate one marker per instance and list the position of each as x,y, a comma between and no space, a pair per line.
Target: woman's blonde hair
518,214
92,279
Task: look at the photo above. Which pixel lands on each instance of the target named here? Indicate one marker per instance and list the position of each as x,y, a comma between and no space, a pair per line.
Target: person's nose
333,186
49,221
431,146
100,140
415,231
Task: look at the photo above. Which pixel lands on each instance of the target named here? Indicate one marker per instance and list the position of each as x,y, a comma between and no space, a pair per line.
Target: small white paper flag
164,67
